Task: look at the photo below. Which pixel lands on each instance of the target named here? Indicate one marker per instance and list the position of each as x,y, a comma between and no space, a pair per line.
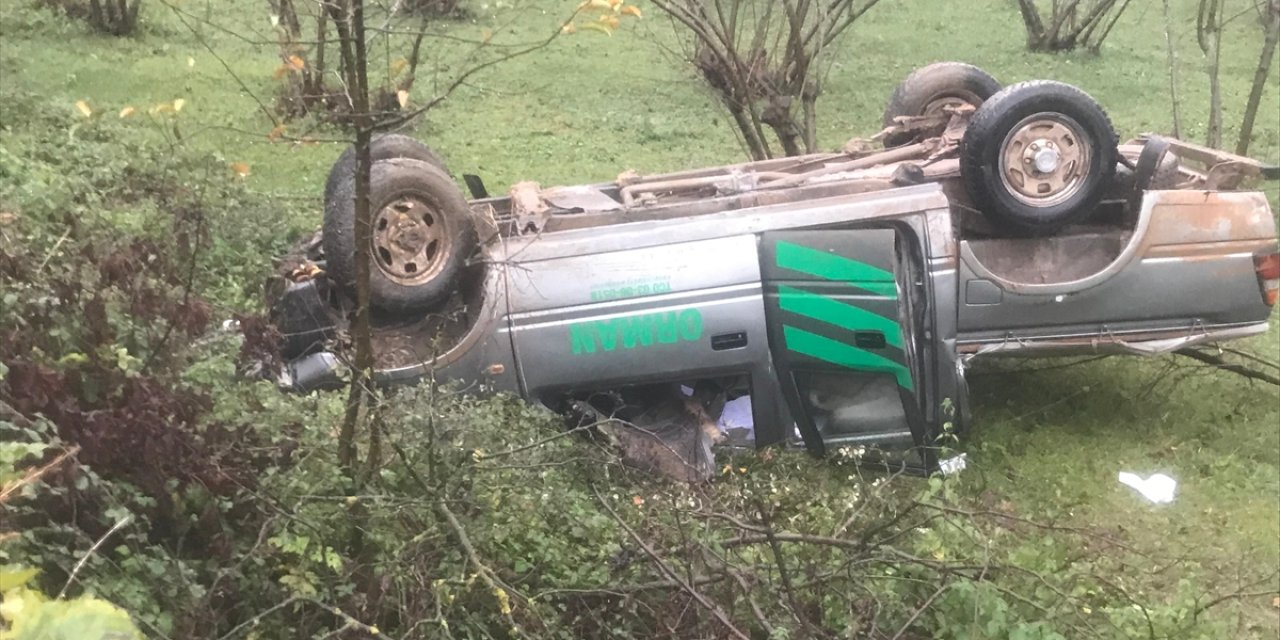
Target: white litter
1157,488
954,464
737,415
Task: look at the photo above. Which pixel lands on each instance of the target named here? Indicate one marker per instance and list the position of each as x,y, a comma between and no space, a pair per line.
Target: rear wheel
930,89
1037,156
423,234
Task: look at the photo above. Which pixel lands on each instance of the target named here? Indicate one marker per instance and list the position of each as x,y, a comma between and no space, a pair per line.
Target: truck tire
423,234
383,147
930,88
1037,156
1156,168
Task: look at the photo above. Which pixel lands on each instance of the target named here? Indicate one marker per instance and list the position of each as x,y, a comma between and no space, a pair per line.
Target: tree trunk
1173,65
749,138
810,125
350,27
777,114
1210,36
1031,19
1272,30
315,81
289,16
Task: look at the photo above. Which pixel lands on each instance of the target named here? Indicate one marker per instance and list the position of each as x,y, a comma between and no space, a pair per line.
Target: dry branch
685,585
1221,363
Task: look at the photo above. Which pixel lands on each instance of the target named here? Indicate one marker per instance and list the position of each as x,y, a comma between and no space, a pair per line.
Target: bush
112,17
1069,25
436,8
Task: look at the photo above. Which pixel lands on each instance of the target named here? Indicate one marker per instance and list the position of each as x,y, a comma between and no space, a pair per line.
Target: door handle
726,341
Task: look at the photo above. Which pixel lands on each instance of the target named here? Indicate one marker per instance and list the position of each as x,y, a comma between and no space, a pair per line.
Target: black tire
383,147
998,127
930,86
394,182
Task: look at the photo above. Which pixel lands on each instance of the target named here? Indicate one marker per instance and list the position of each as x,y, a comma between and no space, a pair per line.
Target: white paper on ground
1157,488
954,464
737,415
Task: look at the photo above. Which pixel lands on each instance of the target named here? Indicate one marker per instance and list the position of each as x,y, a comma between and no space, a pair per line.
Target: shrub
1069,25
112,17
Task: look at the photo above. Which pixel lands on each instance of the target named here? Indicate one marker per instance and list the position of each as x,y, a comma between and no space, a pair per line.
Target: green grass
589,106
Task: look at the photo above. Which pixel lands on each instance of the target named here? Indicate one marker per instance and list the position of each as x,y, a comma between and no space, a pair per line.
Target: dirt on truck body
830,300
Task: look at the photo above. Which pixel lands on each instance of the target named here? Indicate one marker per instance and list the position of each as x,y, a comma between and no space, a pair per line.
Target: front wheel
1038,156
423,234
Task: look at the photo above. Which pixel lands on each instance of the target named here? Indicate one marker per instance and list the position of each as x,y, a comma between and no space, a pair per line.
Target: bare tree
113,17
763,59
348,21
1173,77
1270,19
1070,24
1209,22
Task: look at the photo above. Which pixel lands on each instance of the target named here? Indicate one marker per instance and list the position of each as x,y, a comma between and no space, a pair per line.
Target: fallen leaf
402,97
126,112
279,72
83,108
397,66
306,271
594,5
598,26
568,28
275,21
614,3
297,63
631,10
240,169
609,20
486,36
191,62
637,501
276,132
7,218
1275,602
178,104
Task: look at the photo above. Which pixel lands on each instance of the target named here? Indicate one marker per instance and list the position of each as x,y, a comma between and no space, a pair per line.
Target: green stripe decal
845,316
841,354
827,265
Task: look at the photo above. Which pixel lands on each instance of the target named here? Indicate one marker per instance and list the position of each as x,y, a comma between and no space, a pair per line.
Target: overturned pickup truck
831,299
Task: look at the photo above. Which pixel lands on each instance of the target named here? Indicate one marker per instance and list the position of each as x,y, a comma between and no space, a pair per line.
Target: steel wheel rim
411,240
938,104
1045,159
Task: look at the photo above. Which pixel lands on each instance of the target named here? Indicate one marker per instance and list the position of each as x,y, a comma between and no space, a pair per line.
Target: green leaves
30,615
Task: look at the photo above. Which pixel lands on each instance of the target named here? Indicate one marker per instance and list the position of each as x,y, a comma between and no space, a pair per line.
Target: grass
1049,443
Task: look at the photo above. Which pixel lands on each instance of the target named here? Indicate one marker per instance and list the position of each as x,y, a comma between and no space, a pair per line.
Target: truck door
840,304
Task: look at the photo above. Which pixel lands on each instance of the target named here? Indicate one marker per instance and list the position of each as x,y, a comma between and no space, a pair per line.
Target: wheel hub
410,241
1043,156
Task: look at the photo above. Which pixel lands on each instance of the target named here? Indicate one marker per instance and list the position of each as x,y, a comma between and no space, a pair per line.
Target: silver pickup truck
831,299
